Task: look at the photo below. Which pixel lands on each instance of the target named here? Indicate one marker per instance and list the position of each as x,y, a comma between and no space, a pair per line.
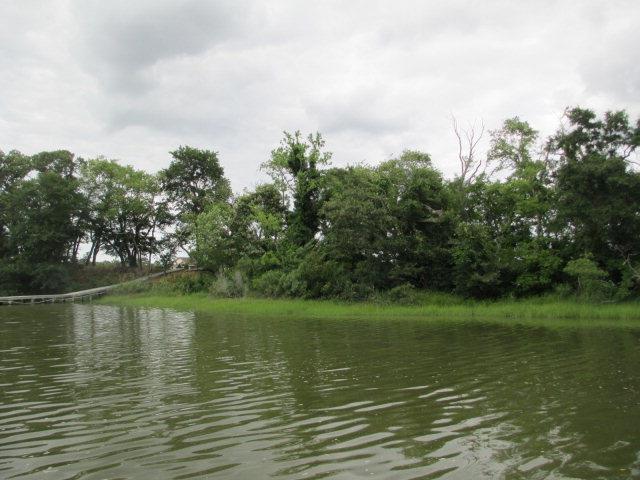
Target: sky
133,80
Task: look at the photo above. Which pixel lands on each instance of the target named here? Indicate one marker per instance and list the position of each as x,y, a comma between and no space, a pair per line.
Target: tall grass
543,311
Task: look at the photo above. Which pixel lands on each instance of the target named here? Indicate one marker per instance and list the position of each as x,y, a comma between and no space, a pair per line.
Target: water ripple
103,392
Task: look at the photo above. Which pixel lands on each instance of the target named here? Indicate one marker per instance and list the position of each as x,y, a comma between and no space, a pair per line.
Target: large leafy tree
43,212
193,181
388,225
295,168
14,166
355,221
598,192
418,201
126,214
240,231
505,241
60,162
42,219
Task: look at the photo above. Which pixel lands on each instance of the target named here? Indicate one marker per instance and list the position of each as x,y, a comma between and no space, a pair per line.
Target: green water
106,392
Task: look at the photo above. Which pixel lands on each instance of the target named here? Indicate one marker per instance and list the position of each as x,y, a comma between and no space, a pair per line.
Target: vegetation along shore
195,291
539,312
527,218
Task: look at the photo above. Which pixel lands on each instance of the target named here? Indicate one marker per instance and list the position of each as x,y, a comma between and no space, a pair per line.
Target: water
104,392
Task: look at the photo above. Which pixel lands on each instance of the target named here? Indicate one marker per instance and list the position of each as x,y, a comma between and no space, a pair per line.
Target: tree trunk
95,251
133,259
90,254
76,247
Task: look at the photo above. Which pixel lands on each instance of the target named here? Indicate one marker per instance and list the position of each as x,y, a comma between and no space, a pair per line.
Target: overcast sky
132,80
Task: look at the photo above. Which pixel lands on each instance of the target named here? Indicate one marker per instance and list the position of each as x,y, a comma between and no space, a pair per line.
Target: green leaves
598,192
124,209
568,209
194,180
511,146
591,281
294,168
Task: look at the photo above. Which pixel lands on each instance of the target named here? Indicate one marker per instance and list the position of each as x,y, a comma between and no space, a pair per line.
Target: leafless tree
471,163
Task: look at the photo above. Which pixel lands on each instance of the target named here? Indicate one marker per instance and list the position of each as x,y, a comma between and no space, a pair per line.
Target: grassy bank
545,312
84,277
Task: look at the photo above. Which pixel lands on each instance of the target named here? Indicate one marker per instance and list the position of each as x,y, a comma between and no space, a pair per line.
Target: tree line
528,217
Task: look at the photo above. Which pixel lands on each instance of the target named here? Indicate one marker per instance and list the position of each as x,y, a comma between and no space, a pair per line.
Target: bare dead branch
468,141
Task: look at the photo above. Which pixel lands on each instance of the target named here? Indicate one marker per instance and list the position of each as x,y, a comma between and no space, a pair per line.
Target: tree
97,182
477,268
511,146
591,281
419,244
125,210
194,180
355,221
61,162
598,191
471,164
42,219
14,167
515,214
242,230
586,135
386,226
294,168
213,238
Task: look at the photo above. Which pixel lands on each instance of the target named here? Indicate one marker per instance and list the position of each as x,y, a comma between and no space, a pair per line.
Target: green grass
542,312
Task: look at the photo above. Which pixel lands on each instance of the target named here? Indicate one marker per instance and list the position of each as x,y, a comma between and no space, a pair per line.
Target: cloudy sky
134,79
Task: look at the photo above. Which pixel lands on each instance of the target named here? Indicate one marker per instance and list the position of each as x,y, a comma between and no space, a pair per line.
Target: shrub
564,290
627,287
405,294
228,285
269,284
199,282
591,282
14,279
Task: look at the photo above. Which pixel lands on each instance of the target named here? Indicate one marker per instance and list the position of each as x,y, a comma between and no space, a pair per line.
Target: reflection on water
107,392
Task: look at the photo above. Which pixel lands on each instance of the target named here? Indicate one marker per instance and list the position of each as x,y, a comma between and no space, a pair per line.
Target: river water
107,392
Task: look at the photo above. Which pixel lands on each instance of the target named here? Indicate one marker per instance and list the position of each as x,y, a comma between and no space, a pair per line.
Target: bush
188,283
270,284
564,290
477,271
405,294
50,278
627,287
14,279
228,285
22,278
591,282
320,277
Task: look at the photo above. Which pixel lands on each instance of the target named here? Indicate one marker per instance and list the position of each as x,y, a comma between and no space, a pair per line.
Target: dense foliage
528,218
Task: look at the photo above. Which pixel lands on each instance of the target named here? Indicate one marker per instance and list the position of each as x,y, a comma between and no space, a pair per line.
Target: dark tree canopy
530,216
194,179
294,166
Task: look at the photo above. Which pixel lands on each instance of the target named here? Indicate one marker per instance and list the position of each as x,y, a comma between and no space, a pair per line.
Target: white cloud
133,80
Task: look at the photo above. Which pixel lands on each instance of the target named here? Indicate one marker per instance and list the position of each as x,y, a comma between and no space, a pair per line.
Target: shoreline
507,312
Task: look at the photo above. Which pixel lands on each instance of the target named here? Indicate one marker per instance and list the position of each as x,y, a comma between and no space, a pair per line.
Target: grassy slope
534,312
83,277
